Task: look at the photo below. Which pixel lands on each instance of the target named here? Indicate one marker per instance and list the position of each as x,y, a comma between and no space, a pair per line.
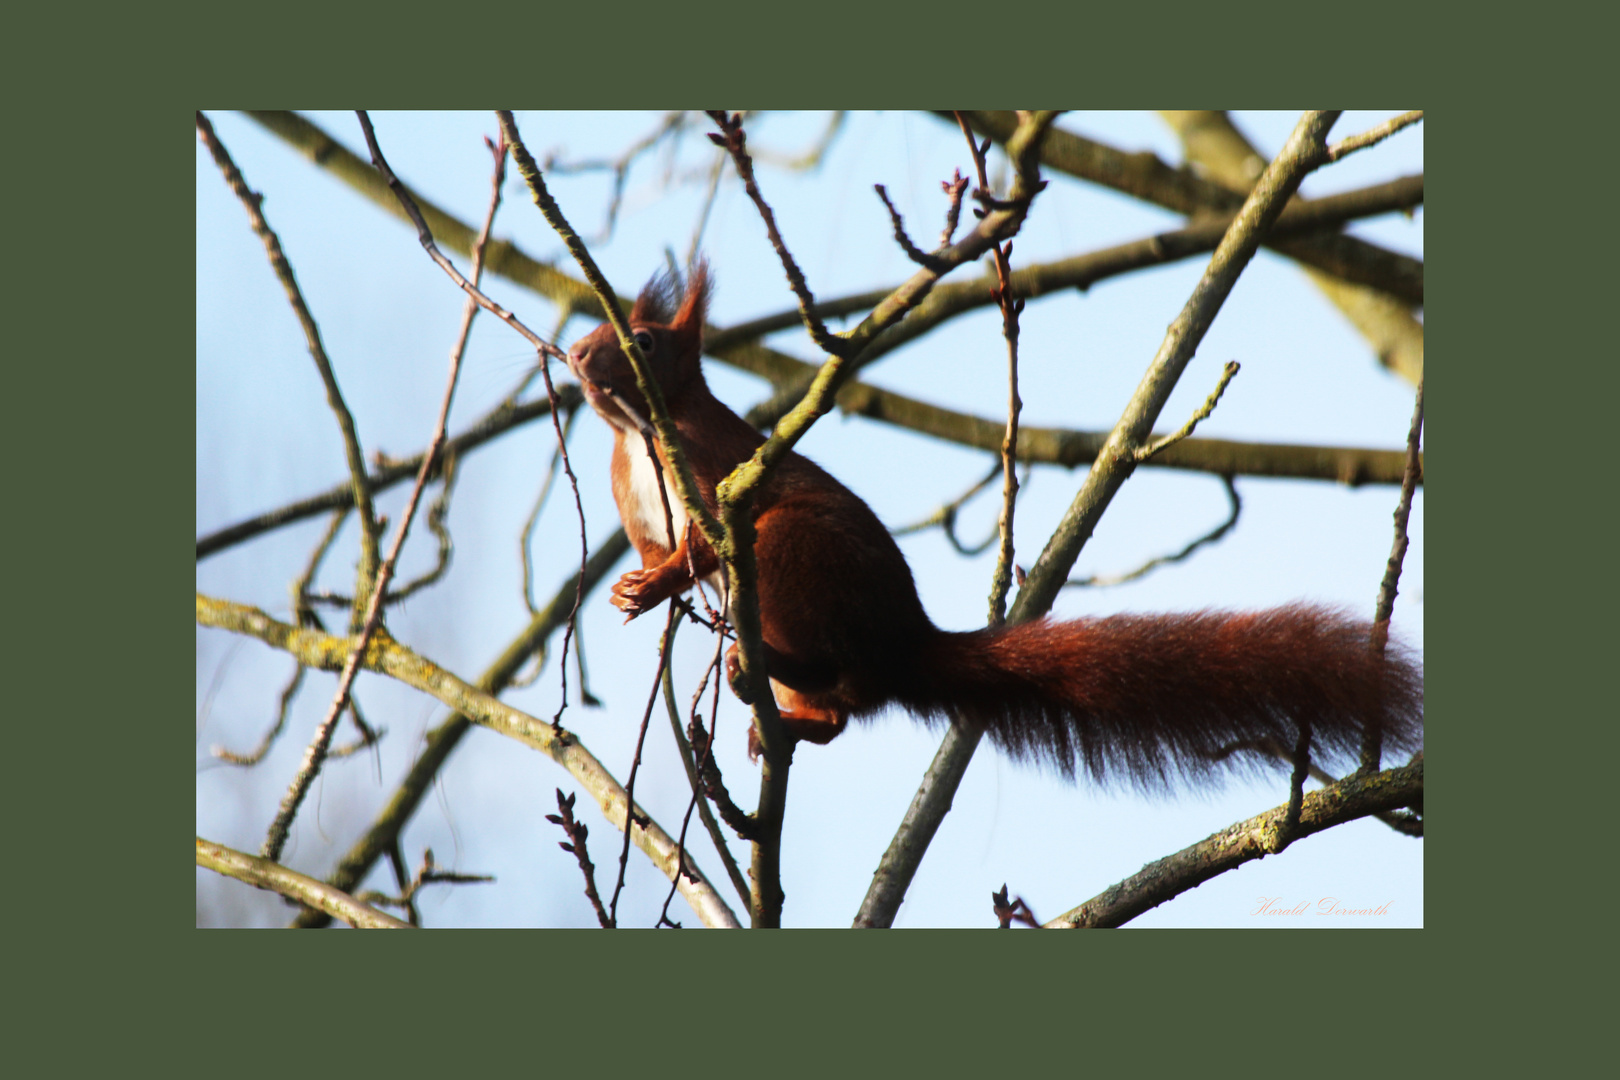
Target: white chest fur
642,502
642,508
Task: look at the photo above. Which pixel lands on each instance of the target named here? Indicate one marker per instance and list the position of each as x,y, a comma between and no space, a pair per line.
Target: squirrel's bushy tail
1150,698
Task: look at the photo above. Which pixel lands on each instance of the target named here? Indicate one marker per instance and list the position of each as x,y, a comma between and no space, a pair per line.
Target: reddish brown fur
1136,697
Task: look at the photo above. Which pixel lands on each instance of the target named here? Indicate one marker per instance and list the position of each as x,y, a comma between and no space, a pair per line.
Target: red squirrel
1138,697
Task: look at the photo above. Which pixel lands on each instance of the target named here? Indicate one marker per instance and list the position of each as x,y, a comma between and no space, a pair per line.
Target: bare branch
315,753
577,832
694,765
429,874
1153,448
666,645
1214,145
1099,581
913,252
496,422
1115,463
359,490
1372,136
439,743
1372,748
733,140
267,874
390,658
1001,293
1356,797
1146,177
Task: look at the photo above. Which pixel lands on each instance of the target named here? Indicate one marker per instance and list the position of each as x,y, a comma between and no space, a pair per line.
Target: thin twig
1115,463
303,616
369,736
575,844
734,141
1372,135
665,647
315,753
1002,294
945,516
913,252
715,172
527,536
439,743
672,122
744,824
1235,508
1372,746
1154,447
438,511
429,874
496,422
693,766
288,693
1289,825
360,490
402,878
807,159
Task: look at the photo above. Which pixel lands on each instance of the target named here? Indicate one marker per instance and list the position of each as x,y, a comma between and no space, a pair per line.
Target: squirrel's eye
644,341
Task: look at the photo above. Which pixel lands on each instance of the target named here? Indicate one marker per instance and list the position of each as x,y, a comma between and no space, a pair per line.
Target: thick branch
442,740
266,874
388,657
735,493
1356,797
1083,271
1146,177
1115,463
1215,145
1116,460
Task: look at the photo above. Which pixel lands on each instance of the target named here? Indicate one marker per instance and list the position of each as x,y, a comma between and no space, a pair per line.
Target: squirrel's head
667,326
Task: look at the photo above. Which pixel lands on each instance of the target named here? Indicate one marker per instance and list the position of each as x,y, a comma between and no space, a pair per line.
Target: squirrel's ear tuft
687,325
657,299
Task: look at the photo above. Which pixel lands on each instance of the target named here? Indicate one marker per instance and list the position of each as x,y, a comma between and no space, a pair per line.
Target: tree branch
1146,177
442,740
390,658
498,421
1214,144
352,453
271,875
1115,463
1349,799
1373,745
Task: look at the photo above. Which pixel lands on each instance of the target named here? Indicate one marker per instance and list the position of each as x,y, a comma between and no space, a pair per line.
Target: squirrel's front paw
635,593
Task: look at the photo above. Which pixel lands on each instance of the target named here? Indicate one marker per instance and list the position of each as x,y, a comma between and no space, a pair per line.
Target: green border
119,967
